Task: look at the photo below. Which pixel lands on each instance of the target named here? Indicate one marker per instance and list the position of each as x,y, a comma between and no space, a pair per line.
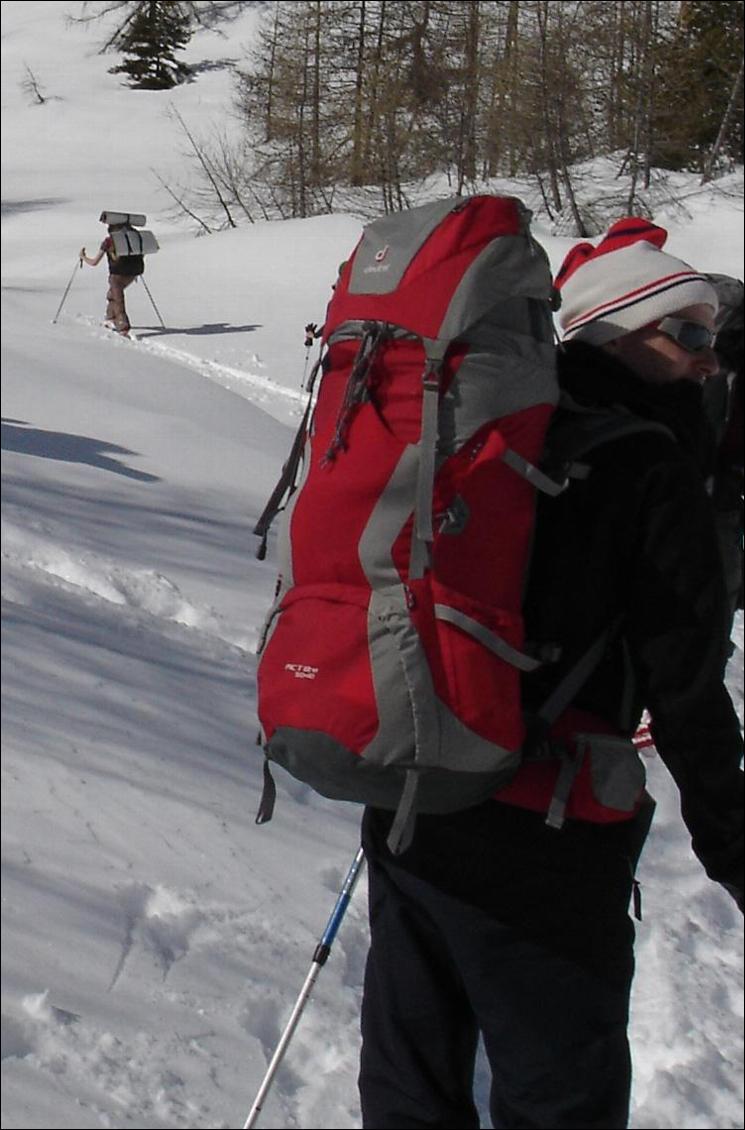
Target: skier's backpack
390,662
128,248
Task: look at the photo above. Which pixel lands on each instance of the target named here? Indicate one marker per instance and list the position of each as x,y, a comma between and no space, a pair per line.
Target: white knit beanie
625,283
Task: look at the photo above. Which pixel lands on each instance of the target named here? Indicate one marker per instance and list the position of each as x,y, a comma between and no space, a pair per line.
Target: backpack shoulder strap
576,431
572,683
572,435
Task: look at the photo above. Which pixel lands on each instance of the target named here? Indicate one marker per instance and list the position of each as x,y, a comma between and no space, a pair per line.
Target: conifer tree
699,78
149,42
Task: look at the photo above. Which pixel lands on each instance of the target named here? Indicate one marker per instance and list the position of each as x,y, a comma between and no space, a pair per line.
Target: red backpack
390,662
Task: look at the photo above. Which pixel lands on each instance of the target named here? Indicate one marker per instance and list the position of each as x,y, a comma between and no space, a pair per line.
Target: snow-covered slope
154,939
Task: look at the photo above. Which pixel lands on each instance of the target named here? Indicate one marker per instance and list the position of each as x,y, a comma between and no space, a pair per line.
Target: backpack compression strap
533,474
423,533
402,828
287,479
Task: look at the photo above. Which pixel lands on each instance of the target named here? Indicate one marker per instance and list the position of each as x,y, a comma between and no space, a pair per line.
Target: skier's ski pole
67,291
311,333
305,368
155,308
323,949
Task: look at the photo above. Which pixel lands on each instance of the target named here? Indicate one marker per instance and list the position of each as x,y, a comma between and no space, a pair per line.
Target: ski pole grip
321,954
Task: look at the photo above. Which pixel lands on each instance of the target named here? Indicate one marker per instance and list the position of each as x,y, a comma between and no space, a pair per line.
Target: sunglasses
691,336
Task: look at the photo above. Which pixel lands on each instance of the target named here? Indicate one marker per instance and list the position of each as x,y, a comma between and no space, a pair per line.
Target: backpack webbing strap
358,384
402,829
286,482
423,532
579,430
555,705
489,639
575,679
268,796
570,767
532,473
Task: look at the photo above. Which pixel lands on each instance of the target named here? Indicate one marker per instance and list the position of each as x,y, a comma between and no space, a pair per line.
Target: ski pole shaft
322,951
152,300
67,291
305,368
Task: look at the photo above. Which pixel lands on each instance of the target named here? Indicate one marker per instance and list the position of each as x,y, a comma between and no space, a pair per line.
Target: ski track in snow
144,590
285,404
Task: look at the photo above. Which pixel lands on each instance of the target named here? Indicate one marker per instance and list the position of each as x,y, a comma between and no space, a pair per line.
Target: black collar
595,378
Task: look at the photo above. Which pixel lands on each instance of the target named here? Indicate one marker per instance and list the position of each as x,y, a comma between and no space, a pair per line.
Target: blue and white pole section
322,951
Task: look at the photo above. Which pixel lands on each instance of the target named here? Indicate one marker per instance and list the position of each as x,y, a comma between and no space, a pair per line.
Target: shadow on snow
69,448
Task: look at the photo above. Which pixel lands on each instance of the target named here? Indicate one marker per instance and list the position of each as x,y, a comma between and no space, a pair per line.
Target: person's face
657,357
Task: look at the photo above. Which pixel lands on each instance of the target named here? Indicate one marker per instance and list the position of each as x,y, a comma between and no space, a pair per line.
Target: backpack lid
438,269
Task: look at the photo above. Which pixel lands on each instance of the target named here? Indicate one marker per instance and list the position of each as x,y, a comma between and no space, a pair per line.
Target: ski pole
155,308
323,949
311,333
305,368
310,380
67,291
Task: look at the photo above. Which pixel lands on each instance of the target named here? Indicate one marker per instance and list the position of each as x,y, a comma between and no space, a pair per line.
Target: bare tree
357,170
376,95
466,138
500,145
207,167
638,158
31,86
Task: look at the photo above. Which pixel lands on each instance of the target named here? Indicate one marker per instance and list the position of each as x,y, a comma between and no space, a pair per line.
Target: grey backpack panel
131,242
388,245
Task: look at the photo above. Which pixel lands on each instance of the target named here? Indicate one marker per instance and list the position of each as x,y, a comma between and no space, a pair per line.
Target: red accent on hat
607,295
621,234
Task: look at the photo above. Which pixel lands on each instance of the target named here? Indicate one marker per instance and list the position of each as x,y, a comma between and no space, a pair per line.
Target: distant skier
123,270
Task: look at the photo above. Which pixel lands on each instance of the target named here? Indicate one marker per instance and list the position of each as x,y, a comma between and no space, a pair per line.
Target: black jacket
636,540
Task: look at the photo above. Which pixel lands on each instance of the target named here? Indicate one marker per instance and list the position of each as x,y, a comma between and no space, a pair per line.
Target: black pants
493,924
